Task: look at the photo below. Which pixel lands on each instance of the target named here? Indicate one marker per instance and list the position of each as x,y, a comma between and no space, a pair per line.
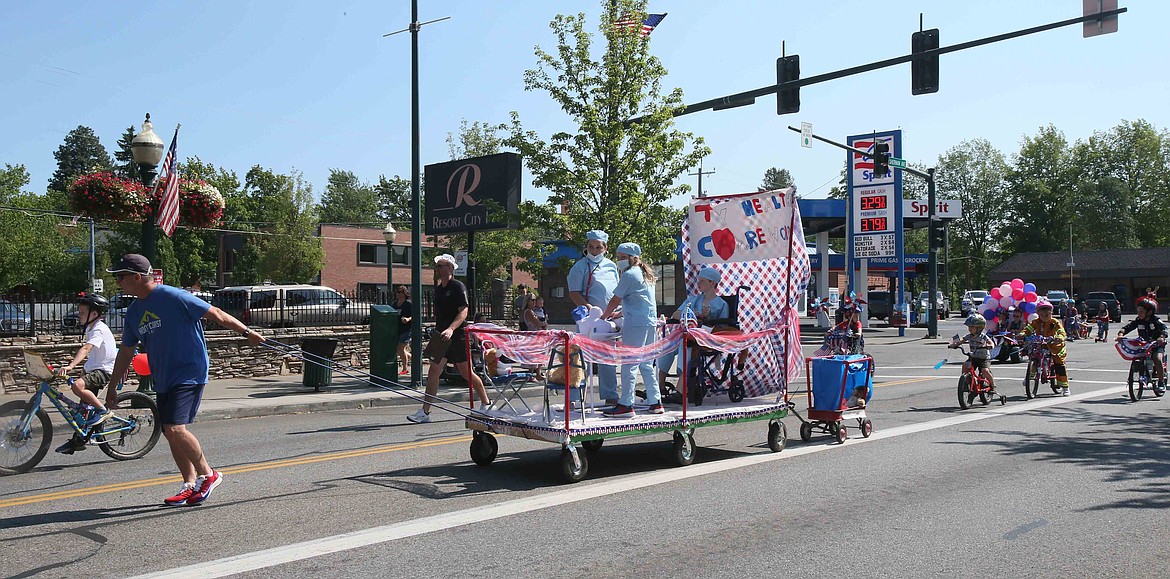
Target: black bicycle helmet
95,302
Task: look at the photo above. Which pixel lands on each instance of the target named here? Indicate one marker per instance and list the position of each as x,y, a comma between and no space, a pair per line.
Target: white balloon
1033,316
1006,302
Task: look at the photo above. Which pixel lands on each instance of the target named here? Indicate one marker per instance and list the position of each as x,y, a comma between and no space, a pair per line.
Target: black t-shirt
406,310
448,300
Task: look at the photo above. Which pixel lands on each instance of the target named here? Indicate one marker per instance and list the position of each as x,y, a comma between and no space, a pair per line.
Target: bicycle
1039,366
26,431
1141,369
972,384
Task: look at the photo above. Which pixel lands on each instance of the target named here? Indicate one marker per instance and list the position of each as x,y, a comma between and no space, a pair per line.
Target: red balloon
1018,293
995,293
141,365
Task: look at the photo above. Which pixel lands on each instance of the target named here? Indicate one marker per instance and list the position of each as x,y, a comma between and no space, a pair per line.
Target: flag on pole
628,22
168,209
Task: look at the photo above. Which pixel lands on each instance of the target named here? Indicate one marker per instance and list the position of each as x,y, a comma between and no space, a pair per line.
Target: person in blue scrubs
635,294
702,308
591,281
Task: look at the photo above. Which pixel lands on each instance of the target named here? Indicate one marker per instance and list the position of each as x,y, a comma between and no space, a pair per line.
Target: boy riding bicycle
1150,329
981,345
1049,327
99,352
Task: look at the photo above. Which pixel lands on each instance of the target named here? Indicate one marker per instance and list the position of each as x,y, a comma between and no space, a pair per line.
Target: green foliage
394,199
1039,193
973,172
124,165
81,153
288,249
349,200
608,174
33,246
777,179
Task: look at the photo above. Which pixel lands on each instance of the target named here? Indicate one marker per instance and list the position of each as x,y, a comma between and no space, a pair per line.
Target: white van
290,305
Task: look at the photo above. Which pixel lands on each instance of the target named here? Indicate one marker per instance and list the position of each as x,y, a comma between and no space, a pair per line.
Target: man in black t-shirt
449,341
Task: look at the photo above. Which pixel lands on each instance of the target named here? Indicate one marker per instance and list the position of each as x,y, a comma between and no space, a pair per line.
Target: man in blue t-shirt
166,321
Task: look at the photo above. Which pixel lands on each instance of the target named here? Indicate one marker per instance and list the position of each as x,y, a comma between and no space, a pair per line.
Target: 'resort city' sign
472,194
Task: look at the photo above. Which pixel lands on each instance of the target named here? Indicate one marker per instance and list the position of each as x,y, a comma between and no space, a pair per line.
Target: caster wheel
777,436
736,392
593,445
684,448
574,465
1002,400
484,448
866,428
805,431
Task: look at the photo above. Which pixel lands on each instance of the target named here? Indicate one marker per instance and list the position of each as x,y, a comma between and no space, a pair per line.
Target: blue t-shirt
167,323
638,307
600,287
719,308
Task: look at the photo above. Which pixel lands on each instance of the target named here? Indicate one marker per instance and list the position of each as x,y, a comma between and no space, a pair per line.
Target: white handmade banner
747,228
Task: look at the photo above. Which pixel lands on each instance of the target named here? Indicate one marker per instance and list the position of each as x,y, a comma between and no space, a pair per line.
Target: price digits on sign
873,223
873,202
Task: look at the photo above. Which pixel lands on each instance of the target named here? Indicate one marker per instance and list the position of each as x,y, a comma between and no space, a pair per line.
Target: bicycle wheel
1135,381
133,430
21,449
1032,379
964,392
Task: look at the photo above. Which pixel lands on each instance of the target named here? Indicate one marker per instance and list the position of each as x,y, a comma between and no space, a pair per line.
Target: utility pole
702,194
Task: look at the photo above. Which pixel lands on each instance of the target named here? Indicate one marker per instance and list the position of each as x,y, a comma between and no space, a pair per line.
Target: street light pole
389,234
147,150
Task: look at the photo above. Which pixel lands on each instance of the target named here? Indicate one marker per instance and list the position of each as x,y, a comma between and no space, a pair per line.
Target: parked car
972,299
1091,304
1058,299
944,308
290,305
13,318
878,305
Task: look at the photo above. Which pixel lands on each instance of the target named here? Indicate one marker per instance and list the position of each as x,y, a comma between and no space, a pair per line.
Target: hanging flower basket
104,196
200,204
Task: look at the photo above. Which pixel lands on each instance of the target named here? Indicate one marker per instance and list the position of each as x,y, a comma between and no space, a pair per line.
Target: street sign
461,262
99,285
897,163
158,275
806,135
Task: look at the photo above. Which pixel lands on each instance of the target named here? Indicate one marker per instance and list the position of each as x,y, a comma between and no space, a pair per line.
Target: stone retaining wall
230,354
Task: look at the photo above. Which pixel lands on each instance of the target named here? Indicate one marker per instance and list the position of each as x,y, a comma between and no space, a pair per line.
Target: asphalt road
1055,487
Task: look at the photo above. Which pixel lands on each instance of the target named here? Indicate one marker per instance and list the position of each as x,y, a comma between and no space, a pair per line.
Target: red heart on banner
724,242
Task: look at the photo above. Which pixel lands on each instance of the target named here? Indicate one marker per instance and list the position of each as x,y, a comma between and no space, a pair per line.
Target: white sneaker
1064,391
482,408
419,417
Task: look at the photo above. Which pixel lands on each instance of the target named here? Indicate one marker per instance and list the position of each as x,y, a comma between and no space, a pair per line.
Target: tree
81,153
1137,158
33,249
347,199
972,172
1038,202
289,249
124,165
394,199
776,179
609,174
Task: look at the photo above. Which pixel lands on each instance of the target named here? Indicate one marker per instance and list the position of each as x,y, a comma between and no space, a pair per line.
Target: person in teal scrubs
635,294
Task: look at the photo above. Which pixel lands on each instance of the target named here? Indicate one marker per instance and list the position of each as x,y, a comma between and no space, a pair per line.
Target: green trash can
384,342
318,369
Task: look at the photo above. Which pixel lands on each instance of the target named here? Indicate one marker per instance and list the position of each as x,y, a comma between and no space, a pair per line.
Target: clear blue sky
313,85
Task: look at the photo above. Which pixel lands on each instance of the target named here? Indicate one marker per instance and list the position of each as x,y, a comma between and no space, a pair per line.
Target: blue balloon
1029,307
1029,287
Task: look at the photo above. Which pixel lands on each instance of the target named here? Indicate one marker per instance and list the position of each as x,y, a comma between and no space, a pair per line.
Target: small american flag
628,22
168,210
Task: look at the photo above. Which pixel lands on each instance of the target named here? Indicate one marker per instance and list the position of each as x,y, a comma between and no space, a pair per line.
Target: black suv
1091,304
879,305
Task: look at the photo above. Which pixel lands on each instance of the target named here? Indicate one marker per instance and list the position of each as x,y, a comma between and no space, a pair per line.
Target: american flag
628,22
168,210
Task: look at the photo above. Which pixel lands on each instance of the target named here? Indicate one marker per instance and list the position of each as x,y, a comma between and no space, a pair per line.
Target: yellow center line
129,485
911,381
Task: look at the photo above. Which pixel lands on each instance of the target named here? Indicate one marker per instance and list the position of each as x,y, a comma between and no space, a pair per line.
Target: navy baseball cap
131,263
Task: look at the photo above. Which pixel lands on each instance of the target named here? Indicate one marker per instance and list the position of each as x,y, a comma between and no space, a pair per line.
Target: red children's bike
972,385
1039,366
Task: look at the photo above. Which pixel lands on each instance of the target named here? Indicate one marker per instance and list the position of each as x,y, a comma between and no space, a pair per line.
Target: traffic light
939,235
924,68
787,69
881,159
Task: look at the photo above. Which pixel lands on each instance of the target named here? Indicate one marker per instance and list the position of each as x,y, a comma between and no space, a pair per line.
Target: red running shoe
181,498
203,487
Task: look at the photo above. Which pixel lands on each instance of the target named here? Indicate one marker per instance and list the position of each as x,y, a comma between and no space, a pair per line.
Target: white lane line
996,367
364,538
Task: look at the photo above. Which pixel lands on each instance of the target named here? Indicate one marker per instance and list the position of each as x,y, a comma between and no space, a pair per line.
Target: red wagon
828,394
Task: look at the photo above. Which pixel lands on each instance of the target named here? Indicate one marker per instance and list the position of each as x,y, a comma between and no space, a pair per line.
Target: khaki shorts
96,380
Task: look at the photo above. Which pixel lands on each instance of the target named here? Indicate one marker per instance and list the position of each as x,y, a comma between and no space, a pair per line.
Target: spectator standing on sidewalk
591,282
406,311
168,322
449,341
521,303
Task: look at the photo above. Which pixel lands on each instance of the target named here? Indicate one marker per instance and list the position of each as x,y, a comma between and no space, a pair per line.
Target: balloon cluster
1009,294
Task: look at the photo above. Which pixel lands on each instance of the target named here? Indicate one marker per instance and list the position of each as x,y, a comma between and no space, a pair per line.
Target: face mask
595,258
623,264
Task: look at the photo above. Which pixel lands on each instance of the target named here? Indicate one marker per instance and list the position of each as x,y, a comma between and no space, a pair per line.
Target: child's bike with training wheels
1039,366
26,431
1141,366
972,384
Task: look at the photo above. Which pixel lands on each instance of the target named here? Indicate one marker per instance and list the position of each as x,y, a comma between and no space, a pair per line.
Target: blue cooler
827,374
